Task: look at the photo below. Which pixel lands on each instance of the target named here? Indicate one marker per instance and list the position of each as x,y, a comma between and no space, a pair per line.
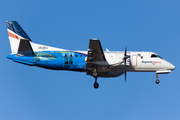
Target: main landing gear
95,75
157,81
96,85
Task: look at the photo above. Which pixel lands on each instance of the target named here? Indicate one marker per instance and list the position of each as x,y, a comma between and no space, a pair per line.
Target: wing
96,61
95,54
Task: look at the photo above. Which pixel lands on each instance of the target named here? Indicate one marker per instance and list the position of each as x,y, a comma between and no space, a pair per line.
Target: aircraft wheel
96,85
157,81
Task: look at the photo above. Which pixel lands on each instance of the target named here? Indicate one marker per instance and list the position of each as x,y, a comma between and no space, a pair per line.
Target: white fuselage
137,61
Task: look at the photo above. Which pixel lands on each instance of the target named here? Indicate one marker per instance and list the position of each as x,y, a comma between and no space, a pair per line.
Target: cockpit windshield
156,56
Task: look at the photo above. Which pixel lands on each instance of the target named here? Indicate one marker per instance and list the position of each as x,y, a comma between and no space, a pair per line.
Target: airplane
94,61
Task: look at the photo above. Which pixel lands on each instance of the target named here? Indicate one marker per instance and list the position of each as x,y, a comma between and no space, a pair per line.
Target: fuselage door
134,60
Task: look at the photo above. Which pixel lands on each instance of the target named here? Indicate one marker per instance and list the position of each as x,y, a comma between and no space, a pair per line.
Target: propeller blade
125,51
125,55
125,75
125,61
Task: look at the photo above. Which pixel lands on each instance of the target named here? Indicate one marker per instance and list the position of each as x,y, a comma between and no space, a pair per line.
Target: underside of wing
95,54
96,63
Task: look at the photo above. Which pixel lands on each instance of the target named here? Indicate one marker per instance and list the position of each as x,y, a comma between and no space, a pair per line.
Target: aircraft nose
171,66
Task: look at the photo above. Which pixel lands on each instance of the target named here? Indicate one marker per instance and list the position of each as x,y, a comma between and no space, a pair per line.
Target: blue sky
32,93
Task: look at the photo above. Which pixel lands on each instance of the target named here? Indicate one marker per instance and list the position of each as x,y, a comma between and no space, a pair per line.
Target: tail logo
12,35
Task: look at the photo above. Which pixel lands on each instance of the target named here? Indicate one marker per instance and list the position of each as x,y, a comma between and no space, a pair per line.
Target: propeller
125,57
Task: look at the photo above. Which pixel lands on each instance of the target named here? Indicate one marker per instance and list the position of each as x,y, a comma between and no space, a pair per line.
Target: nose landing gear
157,81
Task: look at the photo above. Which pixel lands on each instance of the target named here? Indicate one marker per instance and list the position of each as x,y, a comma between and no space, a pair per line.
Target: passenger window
76,55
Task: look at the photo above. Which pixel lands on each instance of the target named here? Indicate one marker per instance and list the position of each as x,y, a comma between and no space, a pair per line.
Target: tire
157,81
96,85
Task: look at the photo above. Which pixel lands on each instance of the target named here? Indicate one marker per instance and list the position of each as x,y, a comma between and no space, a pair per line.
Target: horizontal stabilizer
25,48
23,62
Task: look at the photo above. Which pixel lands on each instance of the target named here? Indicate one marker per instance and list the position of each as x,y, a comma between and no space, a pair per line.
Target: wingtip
94,39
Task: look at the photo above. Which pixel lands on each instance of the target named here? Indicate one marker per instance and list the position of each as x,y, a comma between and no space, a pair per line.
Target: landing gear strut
94,73
96,85
157,81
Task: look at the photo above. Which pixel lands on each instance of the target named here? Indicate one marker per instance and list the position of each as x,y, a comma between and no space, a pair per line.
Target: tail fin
17,34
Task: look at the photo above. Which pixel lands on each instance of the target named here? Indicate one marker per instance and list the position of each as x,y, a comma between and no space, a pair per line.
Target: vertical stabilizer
16,33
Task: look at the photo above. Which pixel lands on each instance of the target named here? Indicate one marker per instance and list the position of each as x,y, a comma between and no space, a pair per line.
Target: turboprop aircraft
94,61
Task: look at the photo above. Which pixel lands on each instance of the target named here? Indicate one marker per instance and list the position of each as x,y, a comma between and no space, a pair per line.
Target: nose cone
171,66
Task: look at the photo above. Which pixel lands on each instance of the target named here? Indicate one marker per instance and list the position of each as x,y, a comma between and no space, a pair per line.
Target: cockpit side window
156,56
153,56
